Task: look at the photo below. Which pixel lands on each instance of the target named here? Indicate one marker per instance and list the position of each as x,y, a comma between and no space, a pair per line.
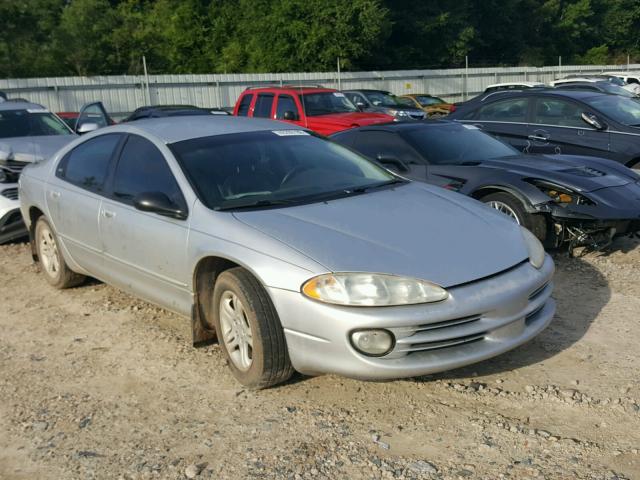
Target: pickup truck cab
323,110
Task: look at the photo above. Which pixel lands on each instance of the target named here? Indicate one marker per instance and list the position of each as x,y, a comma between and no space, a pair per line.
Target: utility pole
146,79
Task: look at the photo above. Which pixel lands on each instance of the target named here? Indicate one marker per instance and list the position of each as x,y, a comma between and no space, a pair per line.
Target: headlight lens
371,289
535,248
560,195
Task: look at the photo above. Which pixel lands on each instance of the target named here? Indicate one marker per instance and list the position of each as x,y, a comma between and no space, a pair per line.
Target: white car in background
28,133
632,80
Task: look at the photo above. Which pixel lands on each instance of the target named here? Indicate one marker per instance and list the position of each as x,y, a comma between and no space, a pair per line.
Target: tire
55,269
244,315
535,223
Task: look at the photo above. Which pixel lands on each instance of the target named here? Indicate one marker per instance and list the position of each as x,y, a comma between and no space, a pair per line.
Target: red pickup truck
322,110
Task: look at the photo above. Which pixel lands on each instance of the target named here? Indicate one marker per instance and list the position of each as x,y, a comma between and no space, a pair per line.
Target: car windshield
25,123
455,144
273,168
621,109
615,89
426,101
381,99
325,103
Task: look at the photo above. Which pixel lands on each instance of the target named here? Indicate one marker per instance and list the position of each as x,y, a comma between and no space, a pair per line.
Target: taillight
452,108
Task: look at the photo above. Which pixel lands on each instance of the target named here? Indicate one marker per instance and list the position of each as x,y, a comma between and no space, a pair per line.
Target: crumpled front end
11,225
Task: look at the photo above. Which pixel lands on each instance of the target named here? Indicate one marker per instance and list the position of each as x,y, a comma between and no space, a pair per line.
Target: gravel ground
97,384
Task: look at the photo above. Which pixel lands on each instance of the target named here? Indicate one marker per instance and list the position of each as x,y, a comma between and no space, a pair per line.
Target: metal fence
122,94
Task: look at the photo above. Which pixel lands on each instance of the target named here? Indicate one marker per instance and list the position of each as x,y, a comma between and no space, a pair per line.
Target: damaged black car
564,200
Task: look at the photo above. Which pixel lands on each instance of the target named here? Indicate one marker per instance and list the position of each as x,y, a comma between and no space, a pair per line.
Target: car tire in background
512,207
249,330
55,269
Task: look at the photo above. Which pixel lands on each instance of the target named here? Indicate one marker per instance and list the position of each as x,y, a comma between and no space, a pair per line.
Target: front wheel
513,208
55,269
249,330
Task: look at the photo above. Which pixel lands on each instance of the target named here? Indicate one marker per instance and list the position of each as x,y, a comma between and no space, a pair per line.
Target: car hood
350,119
33,149
415,230
583,174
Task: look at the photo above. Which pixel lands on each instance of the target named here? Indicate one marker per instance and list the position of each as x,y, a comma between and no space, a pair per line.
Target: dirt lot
97,384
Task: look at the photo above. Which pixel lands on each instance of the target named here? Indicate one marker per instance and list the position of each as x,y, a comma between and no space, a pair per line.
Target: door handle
108,214
53,194
539,138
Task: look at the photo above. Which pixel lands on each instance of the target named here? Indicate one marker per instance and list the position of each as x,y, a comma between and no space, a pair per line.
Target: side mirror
87,127
593,120
158,202
389,161
289,115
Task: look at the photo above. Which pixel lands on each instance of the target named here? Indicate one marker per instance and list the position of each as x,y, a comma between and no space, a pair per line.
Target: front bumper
11,225
480,320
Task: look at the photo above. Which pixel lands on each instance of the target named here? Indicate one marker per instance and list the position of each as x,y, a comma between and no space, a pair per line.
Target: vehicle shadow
581,292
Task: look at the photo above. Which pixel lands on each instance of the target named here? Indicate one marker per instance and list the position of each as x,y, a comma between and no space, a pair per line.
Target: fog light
374,343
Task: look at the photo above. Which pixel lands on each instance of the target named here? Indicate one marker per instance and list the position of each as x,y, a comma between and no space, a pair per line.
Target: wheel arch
483,191
34,214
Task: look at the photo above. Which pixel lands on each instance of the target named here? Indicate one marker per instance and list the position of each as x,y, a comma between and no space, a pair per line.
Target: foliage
92,37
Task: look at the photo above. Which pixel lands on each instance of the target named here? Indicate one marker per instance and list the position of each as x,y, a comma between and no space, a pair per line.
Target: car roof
368,90
177,129
570,93
20,105
508,84
289,88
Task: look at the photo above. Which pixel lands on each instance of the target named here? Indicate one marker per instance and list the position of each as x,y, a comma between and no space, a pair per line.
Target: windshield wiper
256,204
368,188
470,163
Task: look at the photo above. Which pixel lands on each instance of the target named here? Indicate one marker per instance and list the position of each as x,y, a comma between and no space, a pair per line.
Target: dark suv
573,122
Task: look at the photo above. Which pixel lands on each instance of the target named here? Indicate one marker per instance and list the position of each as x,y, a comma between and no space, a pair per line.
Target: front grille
14,165
422,346
448,323
10,193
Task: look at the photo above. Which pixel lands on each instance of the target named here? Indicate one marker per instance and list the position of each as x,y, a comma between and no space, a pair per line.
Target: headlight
560,195
535,248
371,289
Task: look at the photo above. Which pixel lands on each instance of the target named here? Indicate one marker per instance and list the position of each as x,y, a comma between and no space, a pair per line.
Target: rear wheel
249,330
513,208
55,269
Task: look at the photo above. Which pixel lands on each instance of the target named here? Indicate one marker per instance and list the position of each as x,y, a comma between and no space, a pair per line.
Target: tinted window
512,110
88,163
142,168
379,144
286,104
235,170
453,144
22,123
263,105
621,109
552,111
325,103
243,108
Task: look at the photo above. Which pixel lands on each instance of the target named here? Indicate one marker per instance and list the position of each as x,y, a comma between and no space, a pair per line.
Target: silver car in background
298,253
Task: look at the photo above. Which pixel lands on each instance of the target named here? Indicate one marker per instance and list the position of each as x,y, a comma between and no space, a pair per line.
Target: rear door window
245,103
87,165
263,105
552,111
511,110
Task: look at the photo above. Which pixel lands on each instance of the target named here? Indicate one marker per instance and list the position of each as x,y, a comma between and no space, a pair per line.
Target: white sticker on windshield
37,110
470,127
338,94
289,133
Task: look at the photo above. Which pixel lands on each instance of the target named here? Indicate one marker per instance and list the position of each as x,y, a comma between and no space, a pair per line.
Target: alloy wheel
236,330
49,252
505,209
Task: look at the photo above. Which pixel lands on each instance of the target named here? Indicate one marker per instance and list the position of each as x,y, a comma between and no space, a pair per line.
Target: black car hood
582,174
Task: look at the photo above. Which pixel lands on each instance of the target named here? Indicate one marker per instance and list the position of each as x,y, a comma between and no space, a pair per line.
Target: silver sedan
297,253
